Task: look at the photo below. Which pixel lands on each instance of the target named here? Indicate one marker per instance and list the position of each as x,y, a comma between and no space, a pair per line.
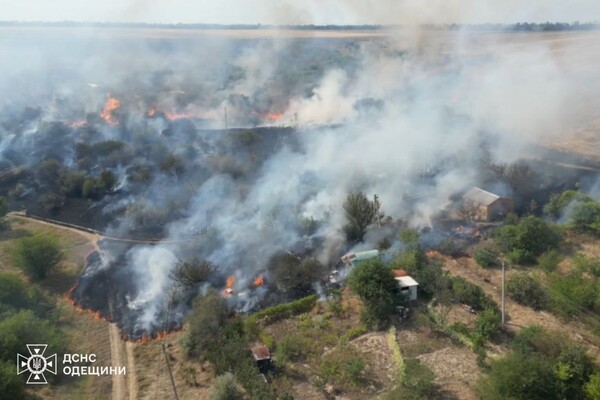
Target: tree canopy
37,255
375,284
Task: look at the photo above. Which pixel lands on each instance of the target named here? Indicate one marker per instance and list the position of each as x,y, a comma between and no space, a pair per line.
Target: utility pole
503,279
162,345
226,123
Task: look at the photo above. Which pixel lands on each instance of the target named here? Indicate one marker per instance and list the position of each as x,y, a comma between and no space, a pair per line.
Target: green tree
14,295
360,213
188,274
377,287
107,180
11,385
525,241
88,188
24,327
206,325
37,255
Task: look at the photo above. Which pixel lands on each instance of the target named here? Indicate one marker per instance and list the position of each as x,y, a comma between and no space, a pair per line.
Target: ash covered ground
237,154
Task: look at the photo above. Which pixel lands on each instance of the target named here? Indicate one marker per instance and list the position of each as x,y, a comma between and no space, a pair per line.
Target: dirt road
118,381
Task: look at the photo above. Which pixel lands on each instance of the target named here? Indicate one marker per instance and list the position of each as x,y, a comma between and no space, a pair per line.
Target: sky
301,11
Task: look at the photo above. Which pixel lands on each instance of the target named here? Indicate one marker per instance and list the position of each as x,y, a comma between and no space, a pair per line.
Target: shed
354,258
408,286
262,356
486,206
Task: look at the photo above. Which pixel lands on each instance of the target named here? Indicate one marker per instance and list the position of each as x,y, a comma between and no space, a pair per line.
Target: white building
408,286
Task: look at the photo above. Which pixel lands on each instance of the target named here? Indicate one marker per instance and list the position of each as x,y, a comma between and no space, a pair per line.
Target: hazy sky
301,11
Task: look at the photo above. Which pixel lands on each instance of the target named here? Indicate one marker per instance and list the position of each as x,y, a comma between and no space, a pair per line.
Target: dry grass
84,334
192,379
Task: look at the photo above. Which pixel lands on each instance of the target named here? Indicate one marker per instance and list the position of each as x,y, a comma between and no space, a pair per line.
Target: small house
262,357
408,286
481,205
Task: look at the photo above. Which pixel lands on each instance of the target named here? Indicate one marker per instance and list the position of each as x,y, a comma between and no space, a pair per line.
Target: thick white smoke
406,116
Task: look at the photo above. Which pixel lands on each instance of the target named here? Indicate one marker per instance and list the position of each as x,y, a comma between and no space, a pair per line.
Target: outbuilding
484,206
408,286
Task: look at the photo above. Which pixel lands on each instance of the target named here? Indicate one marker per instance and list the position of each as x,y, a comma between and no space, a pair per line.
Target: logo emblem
36,364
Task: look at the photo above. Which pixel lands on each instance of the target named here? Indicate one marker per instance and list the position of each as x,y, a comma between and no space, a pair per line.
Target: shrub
486,257
419,378
572,293
520,377
592,388
225,388
292,348
549,261
37,255
531,237
586,216
526,291
487,324
589,265
465,292
342,367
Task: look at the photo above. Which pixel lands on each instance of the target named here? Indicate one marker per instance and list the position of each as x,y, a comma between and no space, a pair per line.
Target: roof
360,256
406,281
261,352
480,196
399,273
366,255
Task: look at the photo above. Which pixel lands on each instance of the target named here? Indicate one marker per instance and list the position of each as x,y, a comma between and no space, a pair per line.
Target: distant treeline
529,27
68,24
518,27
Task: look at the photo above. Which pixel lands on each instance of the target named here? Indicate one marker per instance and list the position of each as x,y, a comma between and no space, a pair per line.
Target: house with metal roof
486,206
351,259
408,286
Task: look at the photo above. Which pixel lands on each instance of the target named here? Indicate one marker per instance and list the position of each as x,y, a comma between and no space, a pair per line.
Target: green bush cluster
528,239
487,257
527,291
542,365
37,255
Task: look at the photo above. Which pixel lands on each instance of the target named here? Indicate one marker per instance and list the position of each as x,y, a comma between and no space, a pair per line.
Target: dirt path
118,381
132,387
93,238
120,388
518,316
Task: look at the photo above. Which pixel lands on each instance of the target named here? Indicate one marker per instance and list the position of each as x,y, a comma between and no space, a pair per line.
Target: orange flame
228,291
78,123
259,281
272,116
172,116
95,314
111,105
151,112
